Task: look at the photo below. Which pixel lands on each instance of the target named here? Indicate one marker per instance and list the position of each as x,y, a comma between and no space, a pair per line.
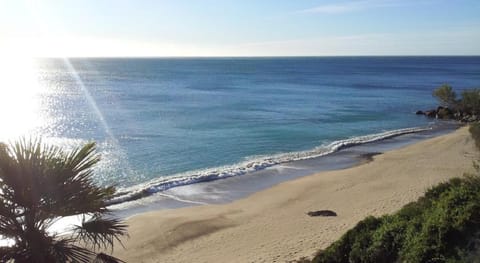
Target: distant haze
239,28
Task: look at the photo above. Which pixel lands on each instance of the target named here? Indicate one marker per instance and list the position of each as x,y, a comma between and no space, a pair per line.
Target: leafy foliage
40,184
468,103
446,95
442,226
471,101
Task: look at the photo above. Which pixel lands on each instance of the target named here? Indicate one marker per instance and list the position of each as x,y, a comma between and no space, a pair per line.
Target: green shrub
470,102
446,96
386,238
446,226
442,226
353,245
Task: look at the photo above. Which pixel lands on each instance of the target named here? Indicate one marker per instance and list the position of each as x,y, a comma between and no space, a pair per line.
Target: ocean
161,123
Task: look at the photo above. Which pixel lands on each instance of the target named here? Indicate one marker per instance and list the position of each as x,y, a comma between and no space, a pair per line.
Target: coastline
272,225
258,164
348,153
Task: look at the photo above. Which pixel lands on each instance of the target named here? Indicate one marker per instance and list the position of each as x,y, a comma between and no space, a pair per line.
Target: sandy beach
272,225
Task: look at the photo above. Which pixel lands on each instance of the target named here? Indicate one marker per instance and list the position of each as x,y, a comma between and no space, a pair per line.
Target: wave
256,164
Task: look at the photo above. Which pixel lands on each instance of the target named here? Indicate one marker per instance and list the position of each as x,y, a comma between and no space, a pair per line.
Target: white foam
255,164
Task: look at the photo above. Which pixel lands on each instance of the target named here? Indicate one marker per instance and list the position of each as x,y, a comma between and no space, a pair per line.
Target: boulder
322,213
431,113
444,113
419,112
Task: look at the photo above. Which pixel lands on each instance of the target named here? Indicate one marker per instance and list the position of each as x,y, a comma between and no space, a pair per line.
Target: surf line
182,200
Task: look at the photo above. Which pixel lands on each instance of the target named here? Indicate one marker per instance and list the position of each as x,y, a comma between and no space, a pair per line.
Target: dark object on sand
368,157
322,213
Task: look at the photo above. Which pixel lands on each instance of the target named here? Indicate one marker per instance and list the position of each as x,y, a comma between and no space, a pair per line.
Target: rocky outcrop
431,113
446,113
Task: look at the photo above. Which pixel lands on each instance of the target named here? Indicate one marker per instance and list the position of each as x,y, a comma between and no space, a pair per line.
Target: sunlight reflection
19,97
90,99
111,151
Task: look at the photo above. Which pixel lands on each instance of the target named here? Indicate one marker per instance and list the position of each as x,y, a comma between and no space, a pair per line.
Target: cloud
352,6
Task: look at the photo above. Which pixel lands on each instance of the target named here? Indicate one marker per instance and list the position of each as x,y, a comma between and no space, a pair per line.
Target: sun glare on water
19,98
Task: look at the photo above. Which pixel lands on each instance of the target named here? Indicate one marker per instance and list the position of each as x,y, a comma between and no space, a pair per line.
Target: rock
419,112
369,156
431,113
472,118
444,113
322,213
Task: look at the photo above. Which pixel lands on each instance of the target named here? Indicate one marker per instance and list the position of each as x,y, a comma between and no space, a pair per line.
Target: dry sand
272,225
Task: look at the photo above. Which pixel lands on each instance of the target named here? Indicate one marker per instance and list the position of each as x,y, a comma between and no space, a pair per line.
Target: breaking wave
248,166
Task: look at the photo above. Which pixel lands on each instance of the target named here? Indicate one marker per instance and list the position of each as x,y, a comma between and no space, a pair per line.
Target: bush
354,243
470,102
446,95
442,226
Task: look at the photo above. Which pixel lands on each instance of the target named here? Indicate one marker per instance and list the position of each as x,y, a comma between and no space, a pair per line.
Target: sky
120,28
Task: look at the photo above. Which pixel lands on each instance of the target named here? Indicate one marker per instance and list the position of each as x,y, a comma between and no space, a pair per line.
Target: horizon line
234,56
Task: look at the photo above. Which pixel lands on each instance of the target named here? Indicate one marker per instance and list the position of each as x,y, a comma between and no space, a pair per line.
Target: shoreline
257,164
272,225
232,188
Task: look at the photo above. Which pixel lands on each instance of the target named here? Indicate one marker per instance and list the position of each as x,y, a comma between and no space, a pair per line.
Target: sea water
165,122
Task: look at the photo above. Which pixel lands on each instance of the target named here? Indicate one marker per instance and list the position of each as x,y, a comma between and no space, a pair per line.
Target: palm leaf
8,254
65,251
38,185
101,232
104,258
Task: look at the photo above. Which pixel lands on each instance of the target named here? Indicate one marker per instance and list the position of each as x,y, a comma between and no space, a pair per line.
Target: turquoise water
195,119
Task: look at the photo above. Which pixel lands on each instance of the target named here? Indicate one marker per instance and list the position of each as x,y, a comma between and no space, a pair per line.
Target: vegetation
470,101
441,226
466,108
40,184
446,96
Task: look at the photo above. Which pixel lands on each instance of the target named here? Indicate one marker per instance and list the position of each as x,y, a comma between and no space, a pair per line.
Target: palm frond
41,183
65,251
101,232
59,183
82,158
104,258
8,254
9,224
72,190
24,171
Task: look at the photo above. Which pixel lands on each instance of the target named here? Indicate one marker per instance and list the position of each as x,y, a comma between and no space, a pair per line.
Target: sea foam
252,165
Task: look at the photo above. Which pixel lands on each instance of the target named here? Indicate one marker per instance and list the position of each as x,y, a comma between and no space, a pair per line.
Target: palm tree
40,184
